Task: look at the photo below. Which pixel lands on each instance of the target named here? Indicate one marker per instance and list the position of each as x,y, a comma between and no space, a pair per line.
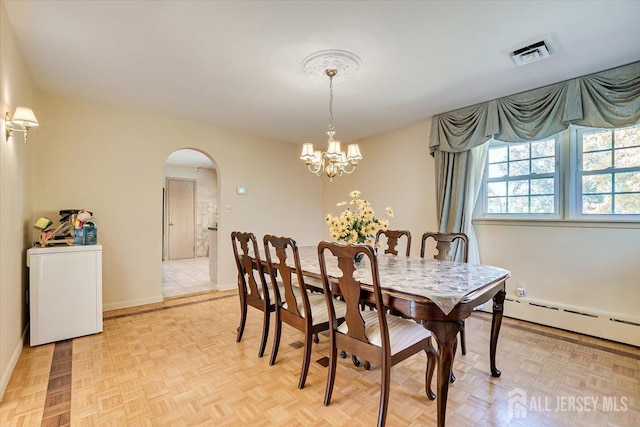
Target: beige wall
16,190
589,267
396,171
110,160
594,269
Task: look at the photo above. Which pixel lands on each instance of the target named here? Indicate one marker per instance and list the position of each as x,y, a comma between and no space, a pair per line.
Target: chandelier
333,161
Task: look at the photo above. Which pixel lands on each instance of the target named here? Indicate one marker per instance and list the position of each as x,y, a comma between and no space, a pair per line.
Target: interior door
181,224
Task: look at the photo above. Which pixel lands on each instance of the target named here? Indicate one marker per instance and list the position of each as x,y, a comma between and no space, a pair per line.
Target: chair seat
318,305
403,333
313,283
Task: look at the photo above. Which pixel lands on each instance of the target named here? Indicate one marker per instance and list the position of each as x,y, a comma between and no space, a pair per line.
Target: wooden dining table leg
446,336
496,322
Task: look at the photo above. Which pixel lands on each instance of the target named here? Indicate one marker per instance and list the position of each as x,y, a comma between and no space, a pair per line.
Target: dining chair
252,286
393,237
377,336
444,246
295,305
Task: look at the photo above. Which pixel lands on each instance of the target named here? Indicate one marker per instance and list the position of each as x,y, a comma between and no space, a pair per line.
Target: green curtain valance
607,99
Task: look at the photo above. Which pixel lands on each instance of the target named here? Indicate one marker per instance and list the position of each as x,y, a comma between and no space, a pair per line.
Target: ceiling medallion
345,63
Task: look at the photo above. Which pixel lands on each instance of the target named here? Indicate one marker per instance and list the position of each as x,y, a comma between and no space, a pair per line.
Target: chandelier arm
318,171
319,168
344,169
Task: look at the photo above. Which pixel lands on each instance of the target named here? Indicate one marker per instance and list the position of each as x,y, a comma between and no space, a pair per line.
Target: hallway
185,276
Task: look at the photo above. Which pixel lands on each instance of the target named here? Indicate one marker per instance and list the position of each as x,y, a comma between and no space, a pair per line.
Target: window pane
596,183
617,190
627,182
497,205
542,204
497,189
627,137
599,204
497,170
545,165
497,154
522,178
542,186
519,151
596,161
628,204
627,158
518,204
519,168
543,148
519,188
592,141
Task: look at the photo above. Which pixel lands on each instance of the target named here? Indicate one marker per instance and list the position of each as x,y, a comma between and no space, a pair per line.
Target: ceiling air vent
531,53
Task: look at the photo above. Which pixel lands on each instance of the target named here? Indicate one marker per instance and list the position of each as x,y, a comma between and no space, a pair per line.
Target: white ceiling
237,64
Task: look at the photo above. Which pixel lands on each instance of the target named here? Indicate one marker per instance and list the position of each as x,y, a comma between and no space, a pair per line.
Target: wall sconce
22,117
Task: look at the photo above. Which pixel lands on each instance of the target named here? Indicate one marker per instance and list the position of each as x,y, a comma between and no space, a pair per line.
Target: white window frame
568,185
576,173
482,211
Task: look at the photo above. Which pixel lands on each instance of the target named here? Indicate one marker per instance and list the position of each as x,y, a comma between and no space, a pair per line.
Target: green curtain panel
607,99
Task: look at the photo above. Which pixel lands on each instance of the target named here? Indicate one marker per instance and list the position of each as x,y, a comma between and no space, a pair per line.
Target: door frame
166,239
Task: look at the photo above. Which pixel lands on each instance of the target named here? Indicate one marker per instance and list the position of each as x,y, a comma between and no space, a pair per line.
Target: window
601,169
522,178
608,172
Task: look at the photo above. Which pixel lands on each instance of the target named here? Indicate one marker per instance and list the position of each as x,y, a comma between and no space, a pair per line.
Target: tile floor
185,276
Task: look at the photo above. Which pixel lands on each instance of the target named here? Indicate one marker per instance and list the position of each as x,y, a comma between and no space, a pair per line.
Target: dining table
437,294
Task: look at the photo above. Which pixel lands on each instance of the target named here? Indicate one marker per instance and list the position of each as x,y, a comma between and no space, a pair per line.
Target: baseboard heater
577,319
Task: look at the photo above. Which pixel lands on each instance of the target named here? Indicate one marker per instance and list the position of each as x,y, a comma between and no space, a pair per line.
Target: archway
190,218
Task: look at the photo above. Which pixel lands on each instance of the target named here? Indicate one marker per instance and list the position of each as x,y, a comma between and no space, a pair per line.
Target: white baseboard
132,303
13,361
610,326
226,287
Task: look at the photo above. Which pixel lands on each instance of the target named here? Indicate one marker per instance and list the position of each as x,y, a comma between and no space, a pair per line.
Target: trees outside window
608,172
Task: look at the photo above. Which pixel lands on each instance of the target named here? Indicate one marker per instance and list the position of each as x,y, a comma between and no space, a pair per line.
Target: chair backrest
349,289
287,268
251,280
443,245
392,240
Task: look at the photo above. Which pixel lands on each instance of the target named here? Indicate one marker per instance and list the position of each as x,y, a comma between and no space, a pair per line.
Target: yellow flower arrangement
358,225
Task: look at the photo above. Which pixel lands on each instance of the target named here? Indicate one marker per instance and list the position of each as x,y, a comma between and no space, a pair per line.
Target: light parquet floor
177,364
